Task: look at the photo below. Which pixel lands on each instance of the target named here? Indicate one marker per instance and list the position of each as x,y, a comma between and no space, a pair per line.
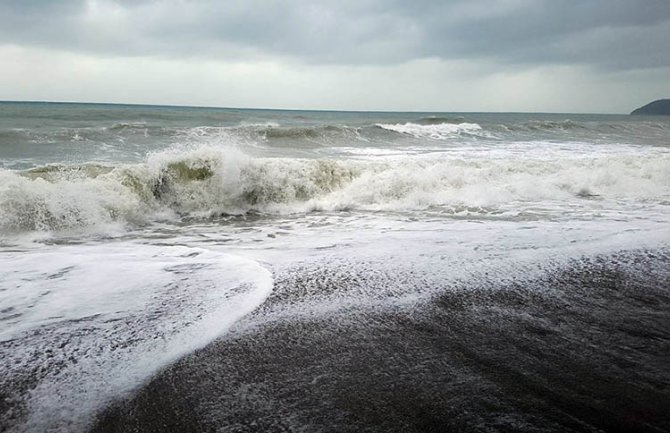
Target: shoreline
580,348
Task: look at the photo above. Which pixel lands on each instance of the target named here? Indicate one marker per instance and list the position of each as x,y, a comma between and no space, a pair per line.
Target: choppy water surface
131,236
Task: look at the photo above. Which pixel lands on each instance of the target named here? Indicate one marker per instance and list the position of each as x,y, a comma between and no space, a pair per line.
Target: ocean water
139,243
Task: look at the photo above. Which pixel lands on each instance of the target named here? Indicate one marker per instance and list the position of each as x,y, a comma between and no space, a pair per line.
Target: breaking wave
207,182
438,130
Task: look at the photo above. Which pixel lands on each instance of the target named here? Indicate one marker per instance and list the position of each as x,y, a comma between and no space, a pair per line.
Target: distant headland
659,107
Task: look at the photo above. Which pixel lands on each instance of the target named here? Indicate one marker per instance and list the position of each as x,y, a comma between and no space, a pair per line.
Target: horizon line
291,109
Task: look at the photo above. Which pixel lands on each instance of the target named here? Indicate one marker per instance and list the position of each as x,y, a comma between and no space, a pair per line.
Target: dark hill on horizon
659,107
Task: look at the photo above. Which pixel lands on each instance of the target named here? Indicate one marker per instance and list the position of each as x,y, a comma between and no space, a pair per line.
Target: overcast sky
450,55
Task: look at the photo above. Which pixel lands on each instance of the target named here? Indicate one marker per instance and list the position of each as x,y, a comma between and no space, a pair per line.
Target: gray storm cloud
608,34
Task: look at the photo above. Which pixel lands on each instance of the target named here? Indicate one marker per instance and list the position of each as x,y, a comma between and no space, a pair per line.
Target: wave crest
209,182
436,131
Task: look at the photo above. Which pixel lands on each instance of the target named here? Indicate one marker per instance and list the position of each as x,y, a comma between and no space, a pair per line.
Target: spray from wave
206,182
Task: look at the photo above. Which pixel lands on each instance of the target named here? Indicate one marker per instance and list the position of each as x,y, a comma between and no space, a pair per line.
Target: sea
215,269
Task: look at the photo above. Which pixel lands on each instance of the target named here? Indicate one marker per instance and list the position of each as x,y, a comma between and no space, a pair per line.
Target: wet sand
583,348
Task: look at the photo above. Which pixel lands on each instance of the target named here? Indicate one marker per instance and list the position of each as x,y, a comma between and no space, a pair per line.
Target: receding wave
208,182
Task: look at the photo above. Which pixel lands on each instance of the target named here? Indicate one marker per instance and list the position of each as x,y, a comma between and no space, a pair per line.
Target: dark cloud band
611,34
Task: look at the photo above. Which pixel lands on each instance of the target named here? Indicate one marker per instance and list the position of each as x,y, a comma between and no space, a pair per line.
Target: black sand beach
581,348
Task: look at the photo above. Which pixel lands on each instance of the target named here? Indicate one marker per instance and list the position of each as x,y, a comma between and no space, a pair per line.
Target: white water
208,181
92,322
440,131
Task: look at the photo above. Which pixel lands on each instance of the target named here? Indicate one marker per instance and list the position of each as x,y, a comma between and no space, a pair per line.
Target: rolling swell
314,132
208,182
585,130
437,120
129,136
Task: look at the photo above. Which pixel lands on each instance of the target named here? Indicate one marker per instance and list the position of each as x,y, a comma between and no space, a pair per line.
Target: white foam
65,201
259,124
487,183
206,181
441,131
102,318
